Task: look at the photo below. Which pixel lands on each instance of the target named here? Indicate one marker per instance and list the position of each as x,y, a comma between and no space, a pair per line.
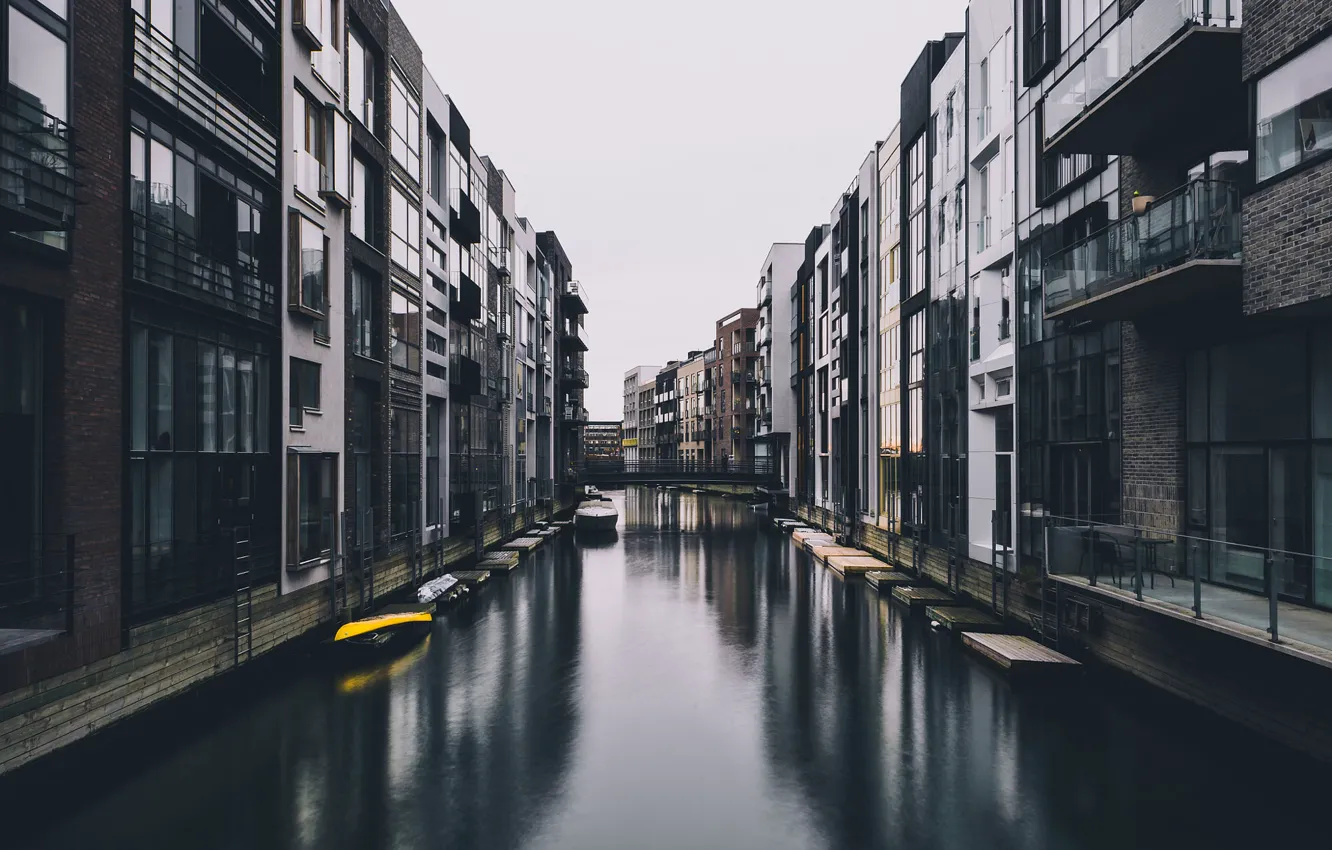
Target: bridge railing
678,468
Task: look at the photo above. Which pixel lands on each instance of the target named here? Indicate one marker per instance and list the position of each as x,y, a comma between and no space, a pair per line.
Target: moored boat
396,625
596,516
437,590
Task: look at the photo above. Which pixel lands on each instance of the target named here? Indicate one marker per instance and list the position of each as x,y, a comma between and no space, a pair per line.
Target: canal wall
169,656
1279,691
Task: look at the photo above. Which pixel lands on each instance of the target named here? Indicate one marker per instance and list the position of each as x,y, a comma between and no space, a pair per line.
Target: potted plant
1141,202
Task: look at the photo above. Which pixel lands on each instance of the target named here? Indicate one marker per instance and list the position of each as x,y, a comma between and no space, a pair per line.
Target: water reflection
698,683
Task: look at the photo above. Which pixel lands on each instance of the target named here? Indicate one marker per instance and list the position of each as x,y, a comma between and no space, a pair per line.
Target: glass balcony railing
975,344
576,295
575,335
1126,47
1200,220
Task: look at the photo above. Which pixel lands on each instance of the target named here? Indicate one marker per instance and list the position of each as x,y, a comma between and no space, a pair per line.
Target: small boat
396,625
596,516
592,492
437,590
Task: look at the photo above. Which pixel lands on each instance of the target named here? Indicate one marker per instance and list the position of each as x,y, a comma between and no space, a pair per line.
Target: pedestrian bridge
760,473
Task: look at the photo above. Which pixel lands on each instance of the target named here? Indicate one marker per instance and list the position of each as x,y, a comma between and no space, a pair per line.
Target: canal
695,683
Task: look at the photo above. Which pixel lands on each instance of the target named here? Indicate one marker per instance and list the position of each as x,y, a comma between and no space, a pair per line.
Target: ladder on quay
242,594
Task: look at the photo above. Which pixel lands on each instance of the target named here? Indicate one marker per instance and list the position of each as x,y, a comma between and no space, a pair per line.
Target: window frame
400,91
327,465
296,294
303,376
1321,42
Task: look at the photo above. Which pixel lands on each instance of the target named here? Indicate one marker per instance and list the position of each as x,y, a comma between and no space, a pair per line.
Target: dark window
312,499
366,333
406,333
434,421
304,390
405,469
435,343
436,164
1040,31
307,283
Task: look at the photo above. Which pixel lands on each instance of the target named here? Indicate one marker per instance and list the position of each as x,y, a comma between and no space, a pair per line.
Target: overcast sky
670,148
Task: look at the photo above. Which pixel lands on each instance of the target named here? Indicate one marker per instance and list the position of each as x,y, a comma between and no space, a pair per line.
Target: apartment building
667,400
886,511
571,341
695,436
777,363
602,442
64,207
647,415
736,371
991,493
634,379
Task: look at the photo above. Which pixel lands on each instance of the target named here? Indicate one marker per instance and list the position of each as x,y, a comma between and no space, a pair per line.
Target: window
436,166
404,468
303,394
307,139
436,315
434,421
360,81
436,370
435,343
405,223
406,115
1294,112
365,313
312,491
307,287
406,333
366,206
1040,27
315,21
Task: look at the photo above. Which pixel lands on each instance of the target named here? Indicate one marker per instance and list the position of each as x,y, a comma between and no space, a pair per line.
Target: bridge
762,472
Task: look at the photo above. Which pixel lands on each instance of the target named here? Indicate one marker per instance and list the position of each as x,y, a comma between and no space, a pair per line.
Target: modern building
571,342
775,427
991,492
736,371
65,207
886,510
647,415
634,379
694,432
666,398
602,442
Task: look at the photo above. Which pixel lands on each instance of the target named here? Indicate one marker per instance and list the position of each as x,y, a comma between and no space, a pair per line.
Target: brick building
735,382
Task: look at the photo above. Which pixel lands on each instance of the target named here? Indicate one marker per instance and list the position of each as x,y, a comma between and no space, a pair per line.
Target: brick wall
168,656
1288,242
1152,383
85,330
1275,28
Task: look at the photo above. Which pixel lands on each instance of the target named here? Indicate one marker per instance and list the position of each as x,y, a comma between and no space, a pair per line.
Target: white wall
780,269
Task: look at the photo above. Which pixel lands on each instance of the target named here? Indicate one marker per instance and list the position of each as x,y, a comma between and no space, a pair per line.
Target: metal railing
37,583
166,257
575,289
1126,47
573,413
177,79
1218,580
573,331
36,164
575,375
1199,220
678,466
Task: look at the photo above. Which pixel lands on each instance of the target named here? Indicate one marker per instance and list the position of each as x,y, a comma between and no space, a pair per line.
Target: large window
436,167
1294,112
406,332
366,310
434,422
21,421
361,78
406,228
312,503
303,391
406,114
307,139
405,468
199,463
308,286
367,210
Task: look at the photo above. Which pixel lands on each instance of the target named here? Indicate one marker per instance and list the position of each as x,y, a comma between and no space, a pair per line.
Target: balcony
574,335
765,338
465,221
575,297
464,376
499,258
1184,249
574,413
166,257
465,300
183,85
1166,80
710,356
36,168
543,407
765,293
574,376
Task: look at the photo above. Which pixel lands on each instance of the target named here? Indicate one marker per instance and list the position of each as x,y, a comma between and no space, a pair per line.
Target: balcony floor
1210,282
1158,110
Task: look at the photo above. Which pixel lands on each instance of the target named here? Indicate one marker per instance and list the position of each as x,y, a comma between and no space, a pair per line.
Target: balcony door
1260,504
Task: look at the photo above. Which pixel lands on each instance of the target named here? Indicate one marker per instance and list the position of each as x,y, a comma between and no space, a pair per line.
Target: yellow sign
629,443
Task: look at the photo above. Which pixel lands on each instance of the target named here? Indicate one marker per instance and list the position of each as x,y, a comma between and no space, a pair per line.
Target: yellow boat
395,624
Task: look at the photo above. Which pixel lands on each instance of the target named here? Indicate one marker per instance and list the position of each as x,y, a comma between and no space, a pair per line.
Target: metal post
1197,583
1091,547
994,558
1137,563
69,582
1272,595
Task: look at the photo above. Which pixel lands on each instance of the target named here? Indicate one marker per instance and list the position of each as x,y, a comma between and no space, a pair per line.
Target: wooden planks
886,578
800,535
823,553
471,577
957,618
523,544
856,564
1019,655
502,561
917,596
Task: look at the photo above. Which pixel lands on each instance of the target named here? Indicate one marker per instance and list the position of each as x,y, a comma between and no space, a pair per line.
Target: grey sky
669,148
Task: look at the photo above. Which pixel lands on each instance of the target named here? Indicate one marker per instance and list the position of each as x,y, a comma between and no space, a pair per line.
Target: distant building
602,441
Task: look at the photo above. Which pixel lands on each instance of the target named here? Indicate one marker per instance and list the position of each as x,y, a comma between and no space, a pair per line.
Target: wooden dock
471,578
802,537
823,553
787,524
856,564
523,544
914,597
958,618
885,578
502,561
1019,655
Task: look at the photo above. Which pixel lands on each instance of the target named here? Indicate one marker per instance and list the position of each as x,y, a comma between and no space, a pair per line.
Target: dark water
698,684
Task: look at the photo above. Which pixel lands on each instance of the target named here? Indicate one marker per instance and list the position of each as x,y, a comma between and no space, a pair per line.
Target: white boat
596,516
436,589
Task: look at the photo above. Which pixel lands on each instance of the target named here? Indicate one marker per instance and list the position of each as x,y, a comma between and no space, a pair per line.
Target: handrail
36,160
1199,220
